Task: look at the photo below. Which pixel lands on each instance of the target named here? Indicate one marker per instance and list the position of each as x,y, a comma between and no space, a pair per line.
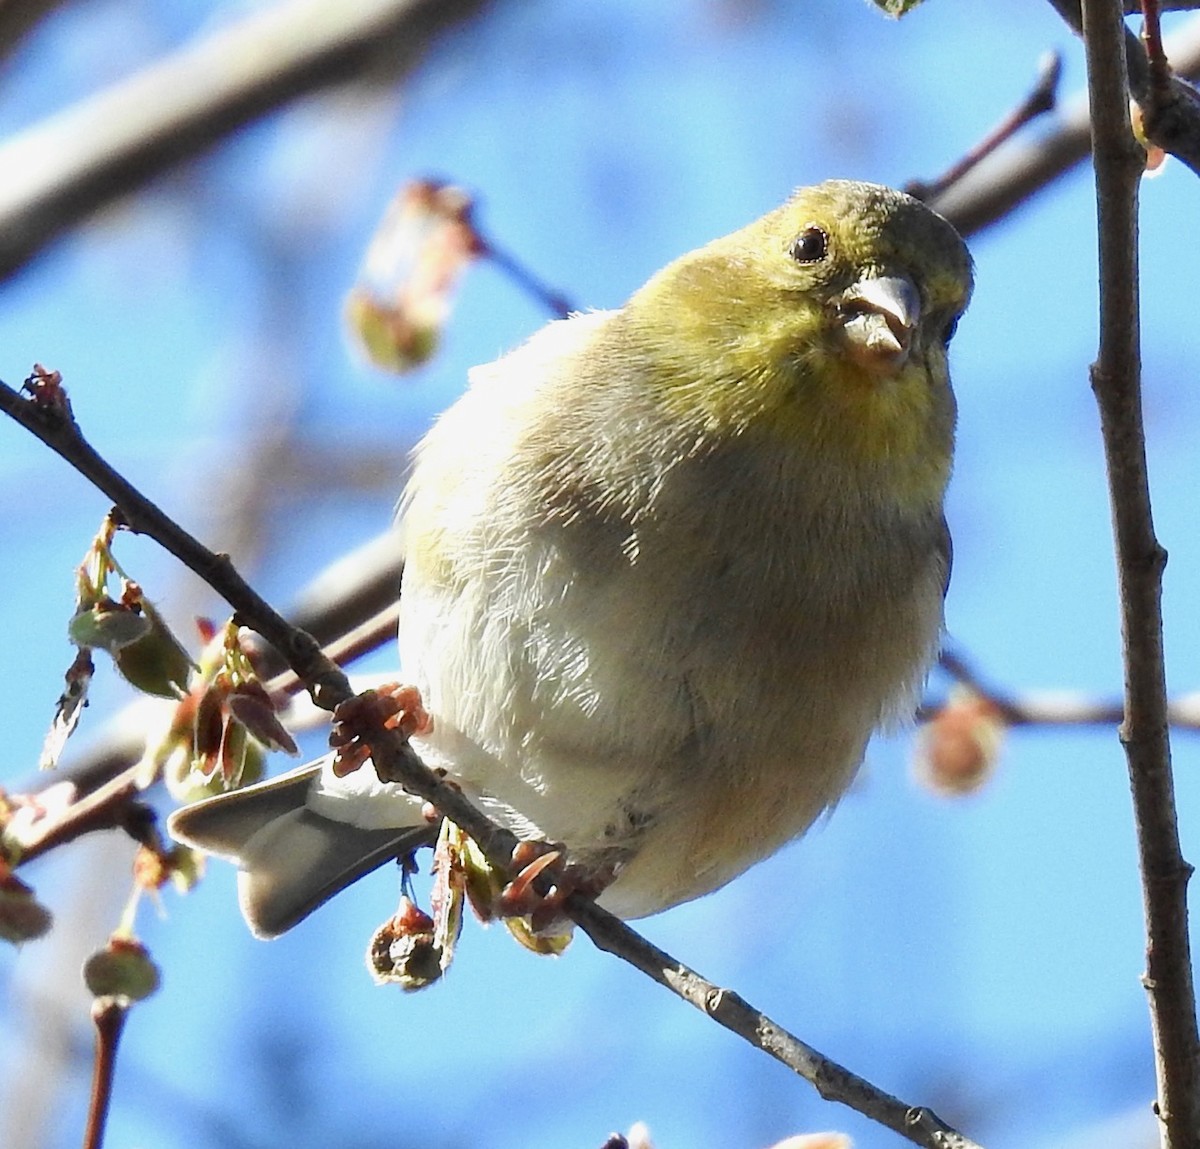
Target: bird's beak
879,315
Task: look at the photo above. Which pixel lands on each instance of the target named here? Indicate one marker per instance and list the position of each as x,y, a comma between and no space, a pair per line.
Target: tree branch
1171,108
1007,178
18,18
62,170
1116,380
109,1016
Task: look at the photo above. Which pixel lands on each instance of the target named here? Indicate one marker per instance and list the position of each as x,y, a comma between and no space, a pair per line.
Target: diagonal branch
396,761
63,169
1020,169
1116,380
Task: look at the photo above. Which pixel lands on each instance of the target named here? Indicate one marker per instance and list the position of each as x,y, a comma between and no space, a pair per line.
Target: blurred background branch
19,17
64,169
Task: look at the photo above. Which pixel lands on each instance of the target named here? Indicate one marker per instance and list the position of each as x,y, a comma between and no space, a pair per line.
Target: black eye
949,330
810,245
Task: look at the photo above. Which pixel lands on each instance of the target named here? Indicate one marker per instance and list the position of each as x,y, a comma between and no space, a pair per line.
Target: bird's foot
544,907
393,706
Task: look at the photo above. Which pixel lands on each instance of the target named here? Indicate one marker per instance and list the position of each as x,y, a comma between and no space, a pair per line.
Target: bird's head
826,320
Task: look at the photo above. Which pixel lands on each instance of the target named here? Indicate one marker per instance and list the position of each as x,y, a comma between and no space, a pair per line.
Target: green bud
155,663
546,944
123,969
22,917
896,8
108,626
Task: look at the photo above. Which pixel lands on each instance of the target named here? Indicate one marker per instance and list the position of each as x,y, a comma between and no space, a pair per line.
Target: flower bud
155,663
958,749
251,705
123,970
22,917
403,951
405,290
107,626
153,868
1155,156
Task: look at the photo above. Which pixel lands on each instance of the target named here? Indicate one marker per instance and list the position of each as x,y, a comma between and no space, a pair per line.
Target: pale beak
879,315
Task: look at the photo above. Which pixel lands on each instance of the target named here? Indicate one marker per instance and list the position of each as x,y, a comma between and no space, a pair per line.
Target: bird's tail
291,859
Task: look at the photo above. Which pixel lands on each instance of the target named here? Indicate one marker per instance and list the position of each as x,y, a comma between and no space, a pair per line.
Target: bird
667,568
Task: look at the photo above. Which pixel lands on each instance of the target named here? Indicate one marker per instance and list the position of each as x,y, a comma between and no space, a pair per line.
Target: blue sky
981,956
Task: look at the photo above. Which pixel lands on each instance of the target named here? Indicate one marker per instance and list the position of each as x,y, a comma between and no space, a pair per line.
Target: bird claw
521,898
392,706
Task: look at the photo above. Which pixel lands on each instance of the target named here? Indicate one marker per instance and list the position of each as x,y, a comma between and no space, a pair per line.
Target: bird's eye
949,330
810,245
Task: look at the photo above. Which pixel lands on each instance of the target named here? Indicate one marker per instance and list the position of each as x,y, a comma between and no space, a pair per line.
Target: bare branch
19,17
1049,708
109,1016
1116,380
1041,99
1171,108
832,1081
62,170
1008,177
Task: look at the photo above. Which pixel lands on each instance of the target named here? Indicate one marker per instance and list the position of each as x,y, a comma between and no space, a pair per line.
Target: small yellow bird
668,567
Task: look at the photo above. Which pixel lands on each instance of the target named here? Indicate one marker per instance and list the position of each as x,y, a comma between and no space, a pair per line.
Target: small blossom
215,738
154,867
46,390
252,706
392,705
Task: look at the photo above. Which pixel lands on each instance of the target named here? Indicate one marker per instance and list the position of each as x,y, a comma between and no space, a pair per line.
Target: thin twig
553,301
109,1014
1116,381
395,761
1040,100
1024,166
59,431
1053,708
368,636
832,1081
1156,56
103,808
